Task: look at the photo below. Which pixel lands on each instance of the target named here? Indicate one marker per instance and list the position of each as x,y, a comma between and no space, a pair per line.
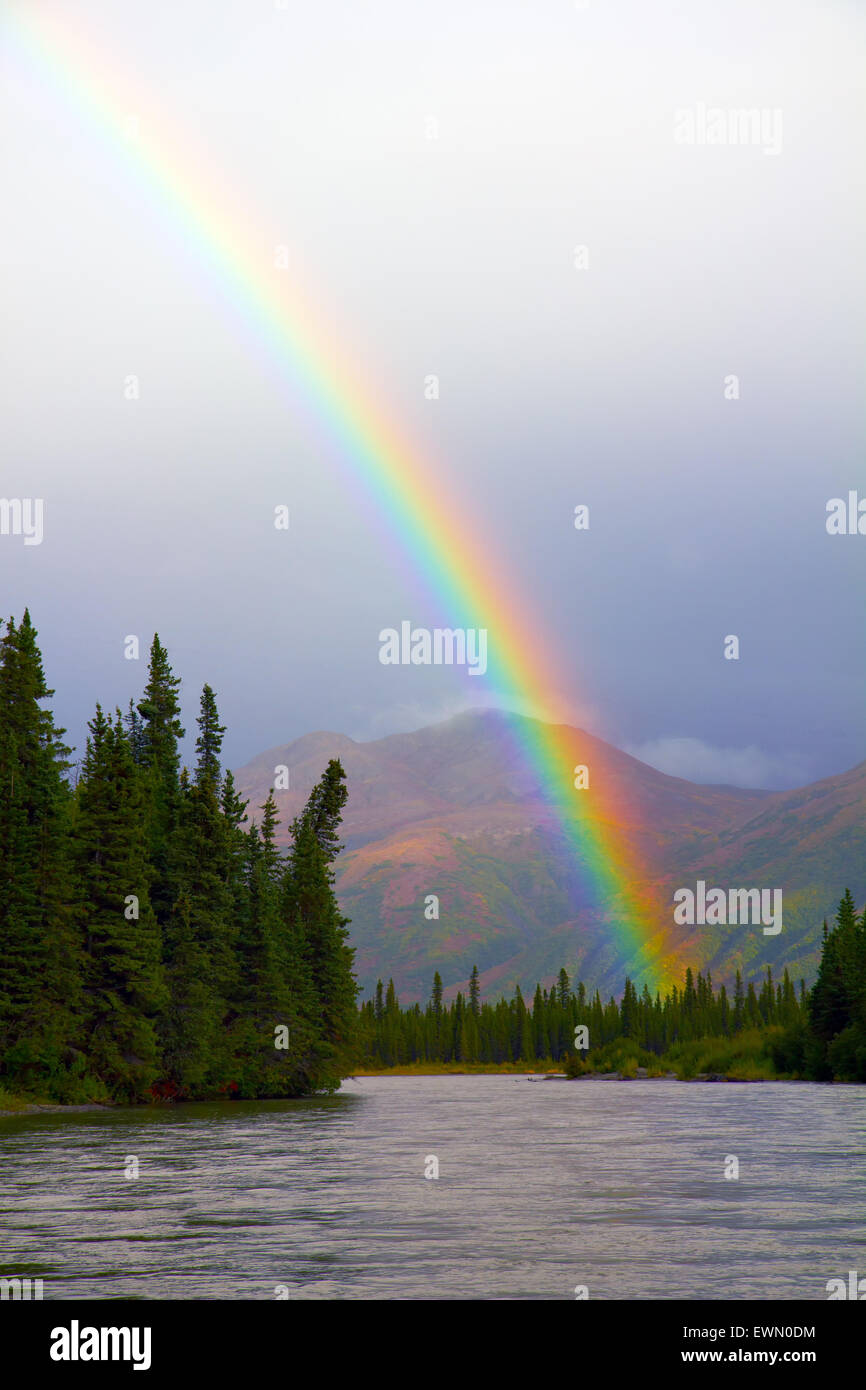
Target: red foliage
165,1090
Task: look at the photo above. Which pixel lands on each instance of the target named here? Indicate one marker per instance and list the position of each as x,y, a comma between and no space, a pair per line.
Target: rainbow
469,586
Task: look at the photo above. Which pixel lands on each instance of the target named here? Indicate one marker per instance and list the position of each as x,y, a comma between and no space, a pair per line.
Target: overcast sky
431,170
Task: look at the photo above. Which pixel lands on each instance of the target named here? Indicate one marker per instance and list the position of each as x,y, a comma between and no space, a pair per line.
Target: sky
628,302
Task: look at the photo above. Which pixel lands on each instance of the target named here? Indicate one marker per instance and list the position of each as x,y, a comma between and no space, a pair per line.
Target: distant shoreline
545,1074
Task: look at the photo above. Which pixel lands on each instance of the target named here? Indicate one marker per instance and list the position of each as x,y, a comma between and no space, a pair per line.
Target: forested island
156,945
152,946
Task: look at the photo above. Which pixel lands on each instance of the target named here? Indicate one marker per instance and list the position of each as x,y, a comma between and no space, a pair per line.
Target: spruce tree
200,933
474,992
324,810
436,996
837,998
39,961
156,747
208,744
628,1010
122,976
317,929
270,1036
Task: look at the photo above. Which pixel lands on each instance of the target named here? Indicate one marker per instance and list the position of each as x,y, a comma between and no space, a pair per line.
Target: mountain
453,810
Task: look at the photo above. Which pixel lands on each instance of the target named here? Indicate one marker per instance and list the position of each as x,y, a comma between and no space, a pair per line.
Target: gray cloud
737,767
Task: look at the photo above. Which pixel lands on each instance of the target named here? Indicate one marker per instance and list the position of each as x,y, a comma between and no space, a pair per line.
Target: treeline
151,945
819,1035
513,1031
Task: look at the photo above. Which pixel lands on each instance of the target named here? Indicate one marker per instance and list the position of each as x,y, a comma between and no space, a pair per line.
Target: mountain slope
453,810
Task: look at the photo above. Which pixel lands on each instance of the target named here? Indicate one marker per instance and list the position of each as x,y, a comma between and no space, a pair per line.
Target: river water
543,1187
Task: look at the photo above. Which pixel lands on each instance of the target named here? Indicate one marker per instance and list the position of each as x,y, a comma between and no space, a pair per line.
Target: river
543,1188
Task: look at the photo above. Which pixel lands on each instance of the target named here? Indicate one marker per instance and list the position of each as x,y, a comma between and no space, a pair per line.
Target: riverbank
13,1104
30,1107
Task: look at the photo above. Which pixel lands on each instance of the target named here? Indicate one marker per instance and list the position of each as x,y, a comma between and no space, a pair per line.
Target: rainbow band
427,522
